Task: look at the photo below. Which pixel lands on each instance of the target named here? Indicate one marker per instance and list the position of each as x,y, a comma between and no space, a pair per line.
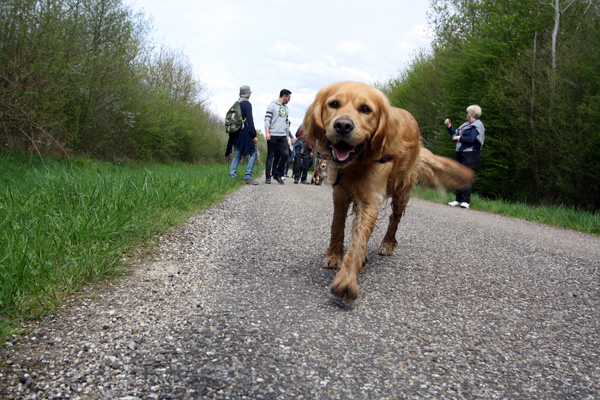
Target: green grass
68,224
560,216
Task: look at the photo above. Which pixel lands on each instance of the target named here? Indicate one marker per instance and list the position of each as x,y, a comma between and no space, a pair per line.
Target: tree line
81,77
532,66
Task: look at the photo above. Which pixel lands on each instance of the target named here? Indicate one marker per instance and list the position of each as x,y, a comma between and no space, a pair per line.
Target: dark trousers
301,166
277,144
469,159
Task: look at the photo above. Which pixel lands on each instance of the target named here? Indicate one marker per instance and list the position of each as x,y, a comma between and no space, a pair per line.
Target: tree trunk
532,116
553,70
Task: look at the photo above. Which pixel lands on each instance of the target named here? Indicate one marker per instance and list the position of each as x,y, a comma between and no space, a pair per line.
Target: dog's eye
334,104
365,109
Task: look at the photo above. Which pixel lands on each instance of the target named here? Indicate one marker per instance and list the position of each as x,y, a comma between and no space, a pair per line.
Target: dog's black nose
343,125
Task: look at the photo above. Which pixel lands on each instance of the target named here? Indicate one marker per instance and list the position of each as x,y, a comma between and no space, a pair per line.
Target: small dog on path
320,172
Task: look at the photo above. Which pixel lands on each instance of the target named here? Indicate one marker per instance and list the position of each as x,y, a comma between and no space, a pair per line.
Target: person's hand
448,123
255,139
268,137
455,138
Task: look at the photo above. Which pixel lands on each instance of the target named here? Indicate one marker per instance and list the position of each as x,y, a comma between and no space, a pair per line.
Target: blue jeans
287,165
236,161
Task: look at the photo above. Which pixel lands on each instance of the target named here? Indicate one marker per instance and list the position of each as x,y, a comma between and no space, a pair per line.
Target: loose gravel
235,305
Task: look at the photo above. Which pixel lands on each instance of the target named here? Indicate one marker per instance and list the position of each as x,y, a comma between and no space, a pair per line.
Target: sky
300,45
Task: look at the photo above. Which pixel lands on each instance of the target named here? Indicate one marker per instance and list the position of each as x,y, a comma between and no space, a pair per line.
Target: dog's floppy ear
387,138
313,121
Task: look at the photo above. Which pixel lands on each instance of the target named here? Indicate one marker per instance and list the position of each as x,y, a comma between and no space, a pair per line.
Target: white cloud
270,46
404,47
218,75
285,49
351,47
414,39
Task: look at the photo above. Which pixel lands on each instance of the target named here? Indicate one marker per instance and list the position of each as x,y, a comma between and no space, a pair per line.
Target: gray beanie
245,90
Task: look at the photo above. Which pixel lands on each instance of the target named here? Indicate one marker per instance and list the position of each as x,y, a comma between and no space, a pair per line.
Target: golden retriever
320,172
376,152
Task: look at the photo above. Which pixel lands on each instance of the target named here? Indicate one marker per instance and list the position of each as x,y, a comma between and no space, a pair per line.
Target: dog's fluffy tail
443,173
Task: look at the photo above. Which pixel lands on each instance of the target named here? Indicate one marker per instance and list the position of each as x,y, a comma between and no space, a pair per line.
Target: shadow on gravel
340,304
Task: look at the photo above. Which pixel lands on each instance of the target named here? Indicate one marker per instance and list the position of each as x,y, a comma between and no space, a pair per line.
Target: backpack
234,122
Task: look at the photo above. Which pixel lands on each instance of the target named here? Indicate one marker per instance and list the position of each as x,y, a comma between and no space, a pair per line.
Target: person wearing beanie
245,142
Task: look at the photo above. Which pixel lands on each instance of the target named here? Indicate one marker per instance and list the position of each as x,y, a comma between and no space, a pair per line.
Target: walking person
469,139
277,134
291,142
304,157
244,143
291,139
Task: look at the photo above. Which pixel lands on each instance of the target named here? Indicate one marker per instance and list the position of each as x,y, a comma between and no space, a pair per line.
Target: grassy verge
560,216
67,224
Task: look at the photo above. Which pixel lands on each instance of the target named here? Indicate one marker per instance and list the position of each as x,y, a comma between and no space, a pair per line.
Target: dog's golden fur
376,152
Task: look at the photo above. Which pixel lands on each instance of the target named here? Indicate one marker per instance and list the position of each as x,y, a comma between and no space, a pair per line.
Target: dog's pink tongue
342,154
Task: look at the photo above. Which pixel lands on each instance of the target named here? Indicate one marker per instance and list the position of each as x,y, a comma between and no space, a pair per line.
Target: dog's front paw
386,248
345,286
332,262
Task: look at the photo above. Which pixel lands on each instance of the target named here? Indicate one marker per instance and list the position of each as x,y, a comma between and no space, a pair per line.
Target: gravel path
235,305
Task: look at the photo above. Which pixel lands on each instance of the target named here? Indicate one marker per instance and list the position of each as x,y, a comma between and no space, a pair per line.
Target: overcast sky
300,45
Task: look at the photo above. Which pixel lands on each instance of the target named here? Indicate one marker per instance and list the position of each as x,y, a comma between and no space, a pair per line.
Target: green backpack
234,121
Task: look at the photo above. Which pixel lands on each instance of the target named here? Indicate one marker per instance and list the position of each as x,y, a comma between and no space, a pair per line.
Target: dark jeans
277,144
468,159
301,166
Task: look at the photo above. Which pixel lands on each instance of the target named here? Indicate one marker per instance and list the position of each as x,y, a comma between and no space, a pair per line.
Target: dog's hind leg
399,202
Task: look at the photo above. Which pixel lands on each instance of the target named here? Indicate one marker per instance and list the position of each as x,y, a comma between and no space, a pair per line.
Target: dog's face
351,121
323,167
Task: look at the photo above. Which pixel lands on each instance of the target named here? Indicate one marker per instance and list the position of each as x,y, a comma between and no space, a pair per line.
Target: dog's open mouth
342,153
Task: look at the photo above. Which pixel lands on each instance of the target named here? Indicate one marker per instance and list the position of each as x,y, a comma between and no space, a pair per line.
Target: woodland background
80,77
533,67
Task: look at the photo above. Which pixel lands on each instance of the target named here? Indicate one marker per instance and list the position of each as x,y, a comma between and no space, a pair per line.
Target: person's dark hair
284,92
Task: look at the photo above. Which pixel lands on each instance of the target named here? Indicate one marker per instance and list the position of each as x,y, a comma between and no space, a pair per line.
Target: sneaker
279,180
453,203
250,182
304,182
268,181
295,180
464,205
283,177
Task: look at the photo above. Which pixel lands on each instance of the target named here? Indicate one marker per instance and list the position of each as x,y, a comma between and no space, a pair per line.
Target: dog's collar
382,160
387,158
338,178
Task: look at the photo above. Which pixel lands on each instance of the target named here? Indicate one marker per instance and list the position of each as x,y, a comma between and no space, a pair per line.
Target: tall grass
66,224
560,216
